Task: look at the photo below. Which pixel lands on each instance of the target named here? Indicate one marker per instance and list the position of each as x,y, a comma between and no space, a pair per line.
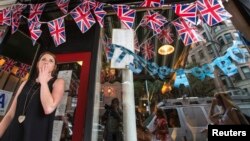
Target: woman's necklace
22,117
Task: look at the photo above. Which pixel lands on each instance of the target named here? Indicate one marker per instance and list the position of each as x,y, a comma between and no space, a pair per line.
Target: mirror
64,120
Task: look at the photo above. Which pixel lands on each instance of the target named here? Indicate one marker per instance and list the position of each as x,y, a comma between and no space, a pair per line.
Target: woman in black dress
31,115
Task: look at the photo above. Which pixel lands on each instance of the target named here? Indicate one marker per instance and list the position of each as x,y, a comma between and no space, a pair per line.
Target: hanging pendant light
166,49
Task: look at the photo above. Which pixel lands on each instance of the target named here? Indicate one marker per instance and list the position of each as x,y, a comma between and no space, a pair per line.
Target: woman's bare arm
11,112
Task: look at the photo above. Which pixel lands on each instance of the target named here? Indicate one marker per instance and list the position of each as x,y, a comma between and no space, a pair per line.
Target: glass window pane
191,114
201,54
173,118
228,37
221,41
246,71
193,59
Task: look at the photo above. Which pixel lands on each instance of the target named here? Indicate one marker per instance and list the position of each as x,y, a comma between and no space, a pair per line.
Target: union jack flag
166,35
8,65
99,13
148,50
63,5
36,11
90,4
35,31
83,18
187,12
154,21
16,15
5,17
23,70
187,31
126,15
152,3
57,31
212,12
136,44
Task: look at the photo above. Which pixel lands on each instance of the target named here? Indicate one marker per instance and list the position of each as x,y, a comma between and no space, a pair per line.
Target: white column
125,38
129,120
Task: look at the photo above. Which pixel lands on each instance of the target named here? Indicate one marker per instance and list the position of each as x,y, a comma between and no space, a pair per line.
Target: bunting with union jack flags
166,35
83,18
99,13
57,31
187,12
36,11
5,17
187,31
16,15
23,70
125,14
90,4
8,65
212,12
35,31
154,20
63,5
148,50
152,3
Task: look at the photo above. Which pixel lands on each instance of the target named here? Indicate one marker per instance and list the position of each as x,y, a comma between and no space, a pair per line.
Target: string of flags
225,64
89,12
17,68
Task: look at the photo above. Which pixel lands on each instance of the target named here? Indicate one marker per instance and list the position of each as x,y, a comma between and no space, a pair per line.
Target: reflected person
112,118
230,113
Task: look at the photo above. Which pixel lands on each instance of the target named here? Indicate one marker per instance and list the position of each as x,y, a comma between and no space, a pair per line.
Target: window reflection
64,120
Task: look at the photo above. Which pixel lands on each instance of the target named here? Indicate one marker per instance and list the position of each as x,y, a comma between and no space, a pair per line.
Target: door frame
80,114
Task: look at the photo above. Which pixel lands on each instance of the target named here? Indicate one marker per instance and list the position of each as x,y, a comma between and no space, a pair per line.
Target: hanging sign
5,97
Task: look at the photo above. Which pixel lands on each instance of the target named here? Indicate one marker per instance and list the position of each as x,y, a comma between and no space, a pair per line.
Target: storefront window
191,113
193,58
246,71
229,37
201,54
221,41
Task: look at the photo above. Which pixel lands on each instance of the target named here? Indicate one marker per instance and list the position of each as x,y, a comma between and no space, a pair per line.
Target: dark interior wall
19,46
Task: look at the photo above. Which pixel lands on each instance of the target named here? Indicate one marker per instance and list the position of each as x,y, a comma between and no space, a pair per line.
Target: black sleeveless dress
37,126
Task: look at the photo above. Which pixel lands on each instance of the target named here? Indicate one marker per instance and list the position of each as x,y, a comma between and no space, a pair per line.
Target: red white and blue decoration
57,31
83,18
63,5
9,64
187,12
211,12
100,13
35,31
5,17
187,31
125,14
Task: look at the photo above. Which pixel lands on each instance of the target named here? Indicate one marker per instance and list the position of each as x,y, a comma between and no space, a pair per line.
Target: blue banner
207,70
